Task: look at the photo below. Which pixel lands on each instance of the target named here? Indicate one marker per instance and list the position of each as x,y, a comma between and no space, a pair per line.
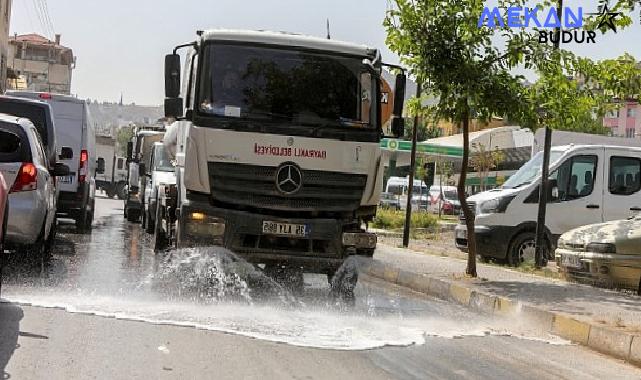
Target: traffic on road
241,229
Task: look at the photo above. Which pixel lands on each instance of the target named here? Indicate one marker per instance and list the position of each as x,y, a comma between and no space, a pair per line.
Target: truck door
622,196
578,195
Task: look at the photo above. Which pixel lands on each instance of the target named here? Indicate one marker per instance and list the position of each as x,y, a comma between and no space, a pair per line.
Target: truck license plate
285,229
571,261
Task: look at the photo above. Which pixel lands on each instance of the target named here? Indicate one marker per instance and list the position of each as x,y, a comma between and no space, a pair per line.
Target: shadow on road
10,316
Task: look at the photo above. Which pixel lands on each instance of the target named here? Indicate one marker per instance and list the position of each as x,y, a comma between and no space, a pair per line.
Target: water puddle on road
212,289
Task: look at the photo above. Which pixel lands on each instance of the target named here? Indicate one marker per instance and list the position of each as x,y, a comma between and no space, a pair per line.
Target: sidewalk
605,320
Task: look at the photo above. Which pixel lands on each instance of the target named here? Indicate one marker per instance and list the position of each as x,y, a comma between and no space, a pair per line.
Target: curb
615,343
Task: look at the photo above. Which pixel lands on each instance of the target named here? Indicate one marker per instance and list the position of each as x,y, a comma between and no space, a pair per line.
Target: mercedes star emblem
289,178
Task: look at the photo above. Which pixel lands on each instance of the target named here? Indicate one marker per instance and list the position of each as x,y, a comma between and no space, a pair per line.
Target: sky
120,45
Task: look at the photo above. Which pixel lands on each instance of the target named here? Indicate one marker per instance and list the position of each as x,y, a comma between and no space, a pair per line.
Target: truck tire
289,278
521,249
344,282
160,238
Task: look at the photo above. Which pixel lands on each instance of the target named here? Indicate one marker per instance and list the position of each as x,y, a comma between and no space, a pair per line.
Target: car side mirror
66,153
100,169
60,170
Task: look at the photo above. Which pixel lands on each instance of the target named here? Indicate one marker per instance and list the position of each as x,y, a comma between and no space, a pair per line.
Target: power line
43,29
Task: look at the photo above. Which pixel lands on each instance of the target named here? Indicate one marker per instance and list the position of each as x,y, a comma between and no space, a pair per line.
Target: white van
588,184
76,137
399,187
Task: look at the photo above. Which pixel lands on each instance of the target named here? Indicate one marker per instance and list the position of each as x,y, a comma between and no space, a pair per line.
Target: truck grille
255,186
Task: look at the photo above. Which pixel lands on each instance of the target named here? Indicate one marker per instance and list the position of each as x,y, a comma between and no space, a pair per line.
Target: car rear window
12,147
33,112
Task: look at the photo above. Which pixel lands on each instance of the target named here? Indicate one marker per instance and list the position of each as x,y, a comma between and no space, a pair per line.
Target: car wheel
52,237
160,238
522,249
84,221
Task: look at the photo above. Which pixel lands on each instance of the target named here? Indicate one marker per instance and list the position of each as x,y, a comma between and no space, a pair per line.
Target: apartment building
39,64
5,17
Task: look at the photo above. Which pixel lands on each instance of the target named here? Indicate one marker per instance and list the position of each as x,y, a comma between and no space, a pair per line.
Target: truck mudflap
317,245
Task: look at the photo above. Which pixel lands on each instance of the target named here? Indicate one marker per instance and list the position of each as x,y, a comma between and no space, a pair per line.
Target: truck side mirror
172,76
173,108
130,150
398,123
66,153
100,169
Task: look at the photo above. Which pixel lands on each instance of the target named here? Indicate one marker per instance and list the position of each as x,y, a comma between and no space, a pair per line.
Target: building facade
625,121
5,17
39,64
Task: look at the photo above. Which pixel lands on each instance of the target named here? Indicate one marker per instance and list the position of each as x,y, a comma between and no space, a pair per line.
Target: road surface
105,307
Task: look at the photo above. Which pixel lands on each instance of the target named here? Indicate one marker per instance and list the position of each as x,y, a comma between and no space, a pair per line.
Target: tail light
45,96
83,169
27,178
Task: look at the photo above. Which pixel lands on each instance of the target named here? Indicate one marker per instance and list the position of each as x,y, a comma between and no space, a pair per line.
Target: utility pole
540,252
410,185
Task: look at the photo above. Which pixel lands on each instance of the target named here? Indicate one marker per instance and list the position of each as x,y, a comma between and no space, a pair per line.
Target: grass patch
391,219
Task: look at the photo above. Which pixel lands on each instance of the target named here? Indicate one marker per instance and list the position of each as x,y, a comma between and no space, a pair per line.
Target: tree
483,160
456,61
123,136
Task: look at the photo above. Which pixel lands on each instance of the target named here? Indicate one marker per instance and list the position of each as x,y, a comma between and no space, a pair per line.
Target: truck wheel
84,221
522,249
160,238
344,282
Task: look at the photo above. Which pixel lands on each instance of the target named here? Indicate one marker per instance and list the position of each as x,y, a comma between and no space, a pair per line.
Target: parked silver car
162,172
32,196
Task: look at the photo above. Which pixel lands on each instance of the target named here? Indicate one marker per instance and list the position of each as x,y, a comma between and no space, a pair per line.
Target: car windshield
161,160
285,85
450,195
531,170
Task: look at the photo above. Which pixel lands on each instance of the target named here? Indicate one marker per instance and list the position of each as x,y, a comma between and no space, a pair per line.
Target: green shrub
391,219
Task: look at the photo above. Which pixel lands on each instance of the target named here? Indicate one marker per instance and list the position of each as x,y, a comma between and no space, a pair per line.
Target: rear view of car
32,196
76,137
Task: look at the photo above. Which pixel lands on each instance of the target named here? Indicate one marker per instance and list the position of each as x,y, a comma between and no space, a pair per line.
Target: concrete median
617,343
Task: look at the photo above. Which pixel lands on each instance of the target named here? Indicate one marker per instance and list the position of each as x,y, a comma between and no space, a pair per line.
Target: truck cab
277,148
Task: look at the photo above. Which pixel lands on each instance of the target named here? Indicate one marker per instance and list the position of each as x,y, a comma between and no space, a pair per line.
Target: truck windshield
162,163
286,86
531,170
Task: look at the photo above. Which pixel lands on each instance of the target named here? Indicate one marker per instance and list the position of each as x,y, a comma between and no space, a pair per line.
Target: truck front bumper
321,251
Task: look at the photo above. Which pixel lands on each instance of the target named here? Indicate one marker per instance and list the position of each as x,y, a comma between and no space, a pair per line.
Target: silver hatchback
32,195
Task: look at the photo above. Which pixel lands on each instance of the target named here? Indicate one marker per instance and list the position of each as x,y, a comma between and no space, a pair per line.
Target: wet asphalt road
99,310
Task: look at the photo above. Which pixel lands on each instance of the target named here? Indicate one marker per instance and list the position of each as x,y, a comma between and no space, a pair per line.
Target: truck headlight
601,248
496,205
201,224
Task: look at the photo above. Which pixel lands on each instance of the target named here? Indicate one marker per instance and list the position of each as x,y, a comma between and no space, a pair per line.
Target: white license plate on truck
285,229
